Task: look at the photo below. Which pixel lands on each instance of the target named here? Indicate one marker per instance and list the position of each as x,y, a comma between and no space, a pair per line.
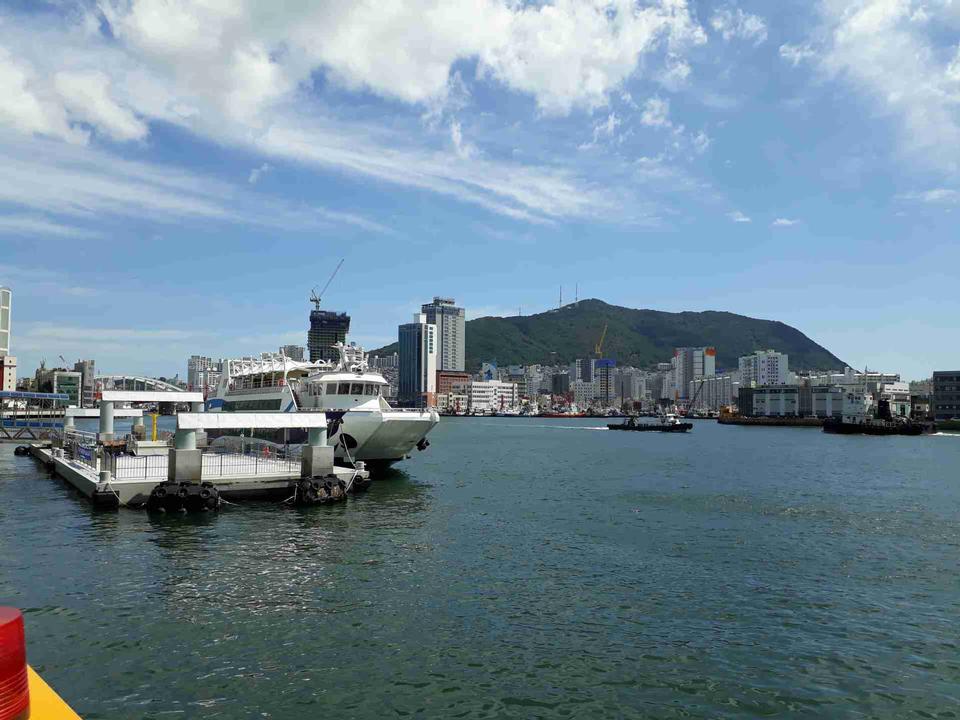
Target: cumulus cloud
733,23
738,217
783,222
893,53
656,113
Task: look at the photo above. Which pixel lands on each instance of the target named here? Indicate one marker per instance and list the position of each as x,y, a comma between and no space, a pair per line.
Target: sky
175,176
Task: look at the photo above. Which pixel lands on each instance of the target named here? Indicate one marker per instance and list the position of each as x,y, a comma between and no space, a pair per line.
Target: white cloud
605,129
934,196
461,147
738,217
701,142
892,52
259,172
783,222
30,225
656,113
733,23
86,95
796,54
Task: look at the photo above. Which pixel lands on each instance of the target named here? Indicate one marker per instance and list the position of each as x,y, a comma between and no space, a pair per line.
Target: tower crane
315,296
598,348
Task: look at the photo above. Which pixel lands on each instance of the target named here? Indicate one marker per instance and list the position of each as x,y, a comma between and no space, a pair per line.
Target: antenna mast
315,296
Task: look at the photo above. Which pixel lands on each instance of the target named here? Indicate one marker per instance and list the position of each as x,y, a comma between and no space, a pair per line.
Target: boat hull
652,427
839,427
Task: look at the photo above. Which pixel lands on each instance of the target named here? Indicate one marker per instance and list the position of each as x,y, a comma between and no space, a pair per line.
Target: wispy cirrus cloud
738,217
783,223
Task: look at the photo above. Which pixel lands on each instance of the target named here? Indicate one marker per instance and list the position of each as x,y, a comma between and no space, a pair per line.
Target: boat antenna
315,296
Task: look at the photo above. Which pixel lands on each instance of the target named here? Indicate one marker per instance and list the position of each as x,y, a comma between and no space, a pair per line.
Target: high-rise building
418,362
451,332
294,352
327,328
605,381
6,303
692,362
764,367
88,393
203,373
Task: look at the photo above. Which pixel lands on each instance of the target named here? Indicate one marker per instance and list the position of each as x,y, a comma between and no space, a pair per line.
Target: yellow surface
45,704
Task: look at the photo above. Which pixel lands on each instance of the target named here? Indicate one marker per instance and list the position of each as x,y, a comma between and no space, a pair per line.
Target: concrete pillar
185,439
196,407
317,437
68,422
106,420
138,422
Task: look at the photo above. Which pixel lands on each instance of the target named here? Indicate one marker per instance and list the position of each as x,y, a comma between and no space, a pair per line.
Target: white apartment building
690,363
849,376
717,391
764,367
8,372
583,392
491,395
778,401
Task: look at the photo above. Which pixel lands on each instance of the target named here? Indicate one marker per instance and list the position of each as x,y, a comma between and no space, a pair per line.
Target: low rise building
491,396
449,381
946,394
826,401
776,401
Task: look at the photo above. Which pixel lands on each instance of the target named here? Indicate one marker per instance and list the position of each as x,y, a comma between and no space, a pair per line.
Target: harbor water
519,568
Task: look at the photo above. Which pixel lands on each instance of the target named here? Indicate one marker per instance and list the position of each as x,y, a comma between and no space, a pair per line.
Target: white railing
214,465
133,467
222,464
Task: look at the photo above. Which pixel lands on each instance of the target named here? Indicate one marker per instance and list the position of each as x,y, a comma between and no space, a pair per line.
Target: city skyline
181,184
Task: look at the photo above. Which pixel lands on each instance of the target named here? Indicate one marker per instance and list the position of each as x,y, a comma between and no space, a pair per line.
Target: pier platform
237,477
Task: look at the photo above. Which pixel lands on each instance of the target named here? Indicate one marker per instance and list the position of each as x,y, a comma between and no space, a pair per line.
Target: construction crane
598,348
315,296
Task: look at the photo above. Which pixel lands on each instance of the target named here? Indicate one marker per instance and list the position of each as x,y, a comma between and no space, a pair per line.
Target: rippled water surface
518,568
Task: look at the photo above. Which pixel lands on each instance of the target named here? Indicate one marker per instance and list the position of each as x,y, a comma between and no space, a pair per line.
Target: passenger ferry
362,424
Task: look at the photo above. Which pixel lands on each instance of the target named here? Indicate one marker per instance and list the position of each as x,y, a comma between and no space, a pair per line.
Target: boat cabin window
344,389
332,389
356,389
371,390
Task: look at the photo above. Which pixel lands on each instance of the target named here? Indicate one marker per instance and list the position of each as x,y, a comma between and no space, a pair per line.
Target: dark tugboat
858,420
666,423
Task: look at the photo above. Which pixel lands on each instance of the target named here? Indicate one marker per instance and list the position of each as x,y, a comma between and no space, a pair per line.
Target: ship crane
315,296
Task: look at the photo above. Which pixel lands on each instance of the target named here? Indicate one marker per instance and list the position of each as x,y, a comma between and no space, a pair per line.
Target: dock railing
214,465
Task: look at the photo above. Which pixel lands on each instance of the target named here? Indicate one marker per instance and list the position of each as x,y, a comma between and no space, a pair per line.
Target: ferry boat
860,417
362,424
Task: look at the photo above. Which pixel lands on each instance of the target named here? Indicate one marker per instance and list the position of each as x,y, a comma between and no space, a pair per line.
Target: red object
14,688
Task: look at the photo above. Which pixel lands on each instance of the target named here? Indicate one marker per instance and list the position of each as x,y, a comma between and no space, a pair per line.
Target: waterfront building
605,381
690,363
491,396
6,319
204,373
583,393
8,372
88,376
764,367
327,328
450,322
849,376
69,383
448,381
776,401
946,394
825,401
717,391
560,384
294,352
418,362
898,395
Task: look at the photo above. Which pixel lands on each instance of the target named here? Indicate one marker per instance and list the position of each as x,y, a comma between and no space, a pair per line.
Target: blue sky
175,176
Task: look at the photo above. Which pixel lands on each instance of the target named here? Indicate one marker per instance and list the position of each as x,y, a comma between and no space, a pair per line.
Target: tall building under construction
326,329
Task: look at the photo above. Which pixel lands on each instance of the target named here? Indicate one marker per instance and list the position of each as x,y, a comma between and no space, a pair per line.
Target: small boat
666,423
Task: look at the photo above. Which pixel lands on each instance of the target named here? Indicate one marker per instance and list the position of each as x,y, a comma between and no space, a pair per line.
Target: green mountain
634,337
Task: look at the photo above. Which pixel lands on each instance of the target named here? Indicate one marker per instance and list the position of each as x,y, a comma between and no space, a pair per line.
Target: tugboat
666,423
858,418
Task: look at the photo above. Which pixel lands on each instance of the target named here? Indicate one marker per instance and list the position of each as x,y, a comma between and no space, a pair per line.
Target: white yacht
362,424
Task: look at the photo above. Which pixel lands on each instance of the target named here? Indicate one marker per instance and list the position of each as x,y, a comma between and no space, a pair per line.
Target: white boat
363,425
